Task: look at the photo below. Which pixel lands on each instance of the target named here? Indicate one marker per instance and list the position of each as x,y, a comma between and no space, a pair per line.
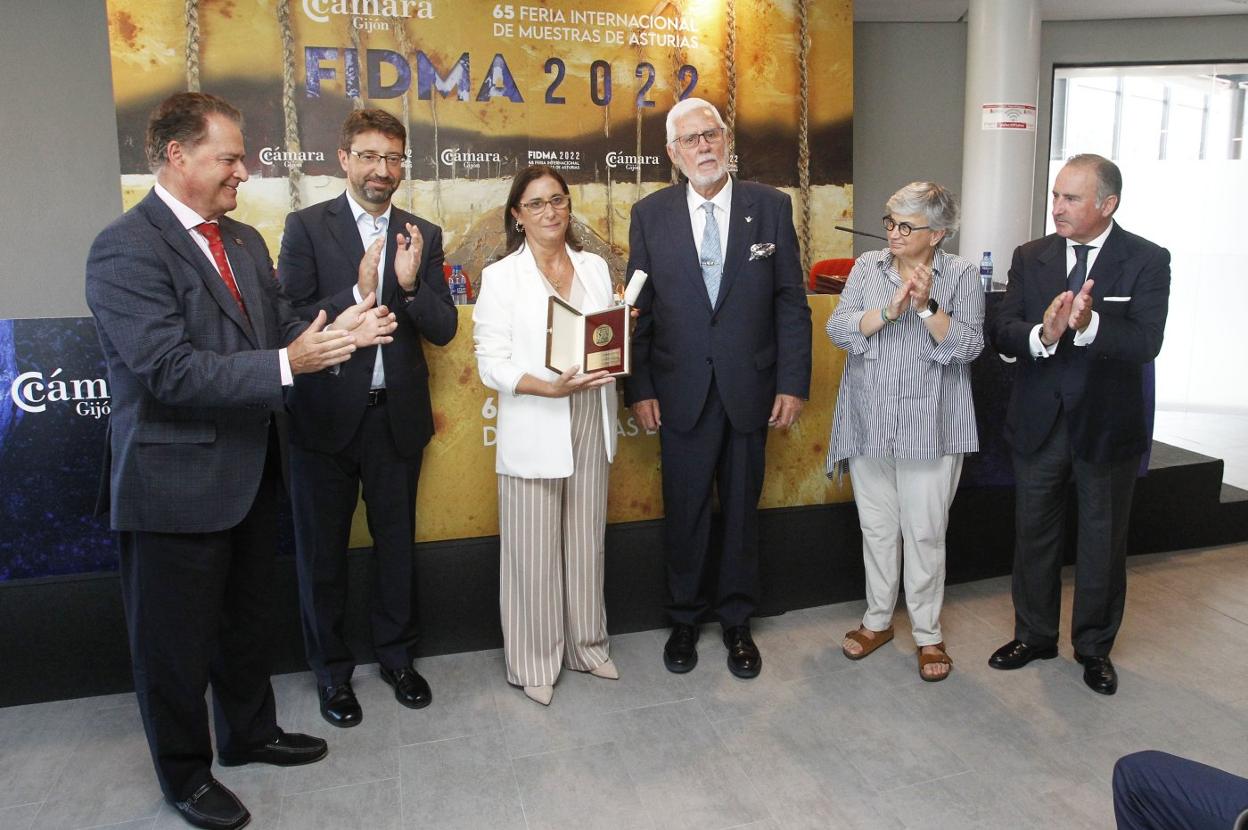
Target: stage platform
65,637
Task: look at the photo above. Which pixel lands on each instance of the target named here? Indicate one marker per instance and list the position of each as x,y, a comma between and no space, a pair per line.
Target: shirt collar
938,260
1098,243
721,200
357,212
186,216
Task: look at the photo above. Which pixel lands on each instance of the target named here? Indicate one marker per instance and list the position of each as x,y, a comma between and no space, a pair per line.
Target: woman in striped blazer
555,441
911,319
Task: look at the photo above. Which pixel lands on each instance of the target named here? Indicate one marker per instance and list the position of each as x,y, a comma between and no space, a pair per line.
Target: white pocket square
1118,299
762,250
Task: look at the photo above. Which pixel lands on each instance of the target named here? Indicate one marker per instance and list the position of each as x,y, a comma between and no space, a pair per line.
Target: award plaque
595,341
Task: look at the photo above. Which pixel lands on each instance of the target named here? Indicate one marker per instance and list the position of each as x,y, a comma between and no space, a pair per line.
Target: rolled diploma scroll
635,283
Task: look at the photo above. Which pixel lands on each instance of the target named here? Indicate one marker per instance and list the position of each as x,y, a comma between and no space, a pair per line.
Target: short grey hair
1108,176
937,205
684,108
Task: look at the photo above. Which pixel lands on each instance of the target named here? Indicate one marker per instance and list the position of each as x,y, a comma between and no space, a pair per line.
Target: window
1177,134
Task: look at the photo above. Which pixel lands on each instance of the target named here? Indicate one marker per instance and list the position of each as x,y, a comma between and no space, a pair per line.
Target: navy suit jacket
318,266
193,381
1100,386
755,341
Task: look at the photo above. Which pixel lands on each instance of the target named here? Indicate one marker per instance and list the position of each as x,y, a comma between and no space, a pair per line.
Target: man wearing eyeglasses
721,353
367,424
1084,312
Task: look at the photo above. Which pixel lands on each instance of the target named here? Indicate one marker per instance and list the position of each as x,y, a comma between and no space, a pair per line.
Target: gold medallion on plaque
603,335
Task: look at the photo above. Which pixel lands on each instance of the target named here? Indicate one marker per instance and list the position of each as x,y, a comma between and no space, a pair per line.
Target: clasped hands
406,260
914,292
357,327
1068,311
361,325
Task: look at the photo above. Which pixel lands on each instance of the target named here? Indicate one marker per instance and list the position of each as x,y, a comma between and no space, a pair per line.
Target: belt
376,397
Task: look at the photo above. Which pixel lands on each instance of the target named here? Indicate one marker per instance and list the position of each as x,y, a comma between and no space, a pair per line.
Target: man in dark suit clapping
368,423
1085,310
200,343
721,353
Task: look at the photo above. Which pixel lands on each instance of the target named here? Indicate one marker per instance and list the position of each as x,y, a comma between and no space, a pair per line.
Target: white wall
58,133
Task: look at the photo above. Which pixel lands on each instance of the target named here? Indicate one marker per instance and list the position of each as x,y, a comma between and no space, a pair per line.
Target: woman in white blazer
555,441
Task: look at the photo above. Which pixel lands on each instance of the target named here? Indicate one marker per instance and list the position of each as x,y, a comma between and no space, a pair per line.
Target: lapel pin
749,218
238,242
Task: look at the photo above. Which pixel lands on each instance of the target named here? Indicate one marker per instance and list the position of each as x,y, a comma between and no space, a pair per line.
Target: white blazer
534,436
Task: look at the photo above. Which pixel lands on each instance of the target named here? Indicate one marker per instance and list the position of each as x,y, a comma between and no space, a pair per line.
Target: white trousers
552,533
903,509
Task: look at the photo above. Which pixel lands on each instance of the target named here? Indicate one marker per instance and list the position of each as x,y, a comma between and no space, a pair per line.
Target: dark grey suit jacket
193,381
756,340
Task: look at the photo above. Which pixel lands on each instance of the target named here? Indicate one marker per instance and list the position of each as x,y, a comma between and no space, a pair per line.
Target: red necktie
212,232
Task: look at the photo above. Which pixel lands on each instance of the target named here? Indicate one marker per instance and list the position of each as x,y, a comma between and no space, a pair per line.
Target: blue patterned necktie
711,258
1080,272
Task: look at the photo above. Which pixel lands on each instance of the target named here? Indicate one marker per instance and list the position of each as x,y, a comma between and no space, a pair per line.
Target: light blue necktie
711,258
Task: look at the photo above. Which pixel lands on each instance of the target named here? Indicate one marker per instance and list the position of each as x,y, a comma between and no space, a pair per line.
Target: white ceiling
947,11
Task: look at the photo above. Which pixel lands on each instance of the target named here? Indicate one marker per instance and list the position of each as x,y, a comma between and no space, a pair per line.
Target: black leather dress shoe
681,652
339,706
214,807
410,688
1099,674
744,661
288,749
1015,654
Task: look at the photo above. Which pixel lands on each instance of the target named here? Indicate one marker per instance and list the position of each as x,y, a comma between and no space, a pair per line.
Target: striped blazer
903,395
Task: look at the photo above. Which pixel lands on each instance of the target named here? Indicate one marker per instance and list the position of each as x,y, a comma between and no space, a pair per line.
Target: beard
378,191
704,180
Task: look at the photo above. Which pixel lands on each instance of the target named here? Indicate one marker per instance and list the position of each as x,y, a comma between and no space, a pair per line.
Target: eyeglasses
559,202
370,158
713,137
903,228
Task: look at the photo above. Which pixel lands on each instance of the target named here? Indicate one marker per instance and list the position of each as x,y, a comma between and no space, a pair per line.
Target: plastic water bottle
459,285
985,271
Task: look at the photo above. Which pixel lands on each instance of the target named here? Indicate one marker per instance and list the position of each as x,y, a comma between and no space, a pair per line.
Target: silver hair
937,205
1108,176
685,107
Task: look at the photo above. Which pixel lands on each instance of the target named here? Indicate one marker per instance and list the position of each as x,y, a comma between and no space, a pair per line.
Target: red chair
827,276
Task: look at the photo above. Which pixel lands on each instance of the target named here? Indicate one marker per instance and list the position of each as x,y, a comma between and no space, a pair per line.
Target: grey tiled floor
1217,434
816,742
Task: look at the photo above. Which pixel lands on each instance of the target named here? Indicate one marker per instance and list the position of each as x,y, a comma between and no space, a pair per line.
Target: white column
999,145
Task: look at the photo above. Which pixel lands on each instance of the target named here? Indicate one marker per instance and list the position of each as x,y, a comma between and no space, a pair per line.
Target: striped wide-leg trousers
551,571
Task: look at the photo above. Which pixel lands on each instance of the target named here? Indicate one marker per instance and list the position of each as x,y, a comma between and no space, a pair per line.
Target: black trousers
197,612
712,455
324,490
1158,791
1103,500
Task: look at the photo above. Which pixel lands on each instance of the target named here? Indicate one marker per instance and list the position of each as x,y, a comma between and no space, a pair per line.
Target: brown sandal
869,644
933,659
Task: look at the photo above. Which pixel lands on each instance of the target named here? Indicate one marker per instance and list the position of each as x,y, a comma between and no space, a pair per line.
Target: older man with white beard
721,353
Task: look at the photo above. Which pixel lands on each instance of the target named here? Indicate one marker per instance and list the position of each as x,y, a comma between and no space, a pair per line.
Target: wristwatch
932,308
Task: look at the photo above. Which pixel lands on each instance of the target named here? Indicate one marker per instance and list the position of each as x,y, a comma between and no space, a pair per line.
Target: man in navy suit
200,343
721,353
1084,312
368,423
1159,791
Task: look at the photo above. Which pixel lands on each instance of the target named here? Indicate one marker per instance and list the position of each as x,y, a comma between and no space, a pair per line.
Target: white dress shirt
723,212
370,228
191,221
1085,337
